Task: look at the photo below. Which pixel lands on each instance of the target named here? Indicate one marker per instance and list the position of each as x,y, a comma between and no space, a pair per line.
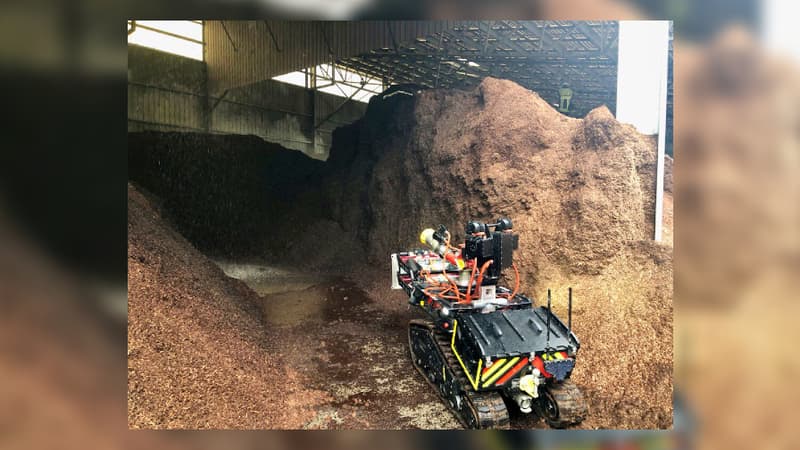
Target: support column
642,89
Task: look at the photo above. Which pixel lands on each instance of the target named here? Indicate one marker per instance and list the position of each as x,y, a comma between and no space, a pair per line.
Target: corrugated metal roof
540,55
243,52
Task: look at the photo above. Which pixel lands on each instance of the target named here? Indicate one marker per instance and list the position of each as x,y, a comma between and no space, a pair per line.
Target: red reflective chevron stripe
512,372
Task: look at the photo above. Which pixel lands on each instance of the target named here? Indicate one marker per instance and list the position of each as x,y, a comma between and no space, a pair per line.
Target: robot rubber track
563,405
432,357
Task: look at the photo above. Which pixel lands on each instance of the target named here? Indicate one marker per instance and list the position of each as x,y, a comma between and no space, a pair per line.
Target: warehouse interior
237,84
274,166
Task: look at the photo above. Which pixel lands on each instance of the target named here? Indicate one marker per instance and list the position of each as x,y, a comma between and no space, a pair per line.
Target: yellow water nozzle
426,237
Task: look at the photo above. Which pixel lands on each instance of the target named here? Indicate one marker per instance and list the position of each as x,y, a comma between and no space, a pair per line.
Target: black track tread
572,407
488,408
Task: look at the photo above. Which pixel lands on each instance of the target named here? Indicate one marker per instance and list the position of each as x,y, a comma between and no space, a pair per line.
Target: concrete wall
169,93
165,92
285,114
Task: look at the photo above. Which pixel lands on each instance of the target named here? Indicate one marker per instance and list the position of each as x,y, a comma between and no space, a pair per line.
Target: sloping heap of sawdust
580,193
195,336
737,279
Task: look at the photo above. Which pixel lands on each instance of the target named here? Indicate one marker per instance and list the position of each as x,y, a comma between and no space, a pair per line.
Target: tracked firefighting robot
484,346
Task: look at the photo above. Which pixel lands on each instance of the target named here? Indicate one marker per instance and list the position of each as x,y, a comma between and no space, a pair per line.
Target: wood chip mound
580,193
195,337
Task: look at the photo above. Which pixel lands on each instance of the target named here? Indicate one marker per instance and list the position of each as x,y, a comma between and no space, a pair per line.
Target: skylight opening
178,37
336,80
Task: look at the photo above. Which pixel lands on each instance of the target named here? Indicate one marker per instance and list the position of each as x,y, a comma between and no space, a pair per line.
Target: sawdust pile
579,189
580,194
737,146
60,357
195,336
